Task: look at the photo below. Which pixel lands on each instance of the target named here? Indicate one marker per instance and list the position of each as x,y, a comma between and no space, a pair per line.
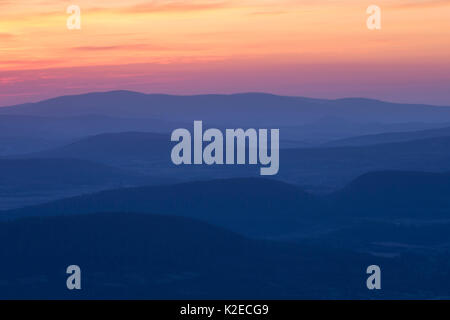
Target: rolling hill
268,208
30,181
252,206
131,256
124,147
57,172
389,137
315,169
396,194
334,167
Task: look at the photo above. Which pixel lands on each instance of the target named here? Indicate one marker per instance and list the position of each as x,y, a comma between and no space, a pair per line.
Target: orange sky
181,46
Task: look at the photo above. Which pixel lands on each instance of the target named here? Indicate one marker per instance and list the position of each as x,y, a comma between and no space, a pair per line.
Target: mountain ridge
389,137
265,207
295,110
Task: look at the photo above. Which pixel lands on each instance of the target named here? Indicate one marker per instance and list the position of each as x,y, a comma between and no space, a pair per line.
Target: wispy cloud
140,47
420,4
165,6
121,47
268,13
29,63
6,36
178,6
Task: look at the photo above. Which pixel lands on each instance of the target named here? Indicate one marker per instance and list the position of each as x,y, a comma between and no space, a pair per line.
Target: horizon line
218,94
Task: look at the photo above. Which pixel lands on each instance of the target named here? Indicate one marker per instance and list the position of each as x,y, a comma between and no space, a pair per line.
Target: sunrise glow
296,47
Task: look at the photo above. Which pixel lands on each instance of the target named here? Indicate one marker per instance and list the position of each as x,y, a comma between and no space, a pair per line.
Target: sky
313,48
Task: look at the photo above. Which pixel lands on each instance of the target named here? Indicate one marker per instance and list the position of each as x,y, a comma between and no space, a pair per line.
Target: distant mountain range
237,109
303,121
